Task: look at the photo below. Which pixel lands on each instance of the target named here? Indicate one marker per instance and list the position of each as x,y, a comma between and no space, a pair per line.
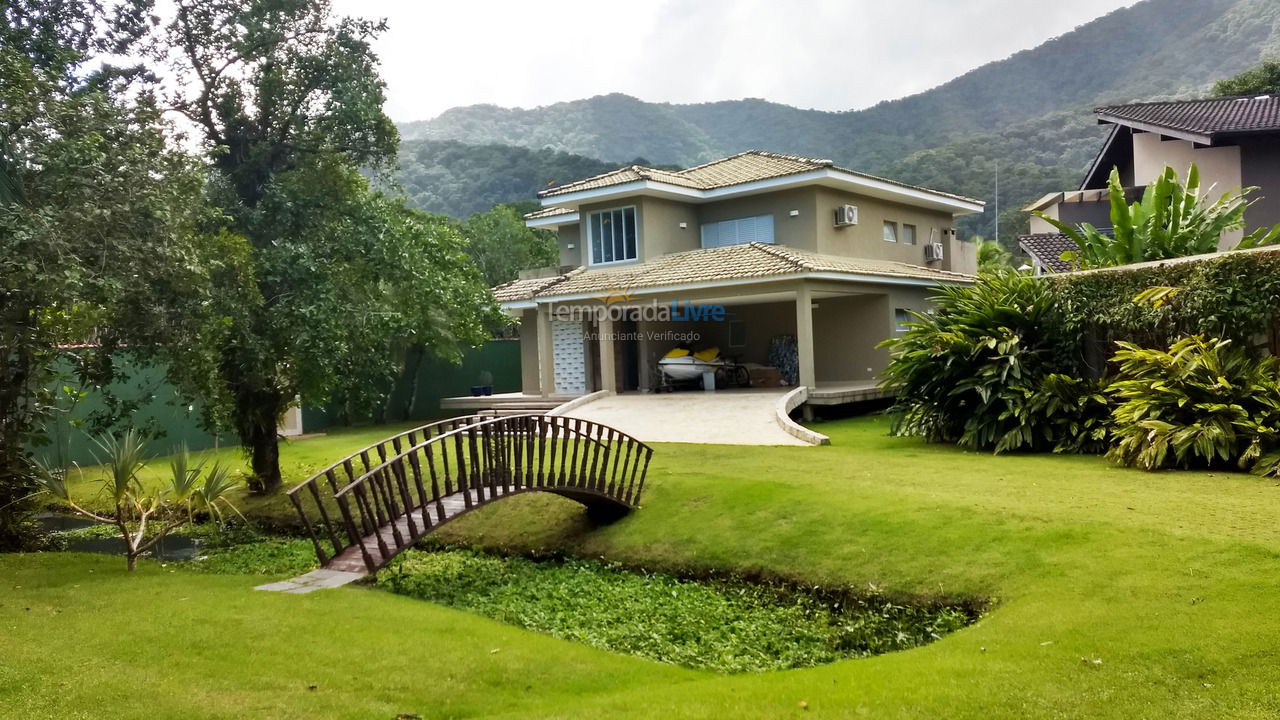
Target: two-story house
735,254
1235,143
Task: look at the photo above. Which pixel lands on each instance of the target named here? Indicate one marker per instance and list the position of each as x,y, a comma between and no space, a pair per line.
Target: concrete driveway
726,417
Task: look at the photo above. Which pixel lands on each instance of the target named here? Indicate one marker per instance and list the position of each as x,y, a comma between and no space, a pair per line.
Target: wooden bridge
365,509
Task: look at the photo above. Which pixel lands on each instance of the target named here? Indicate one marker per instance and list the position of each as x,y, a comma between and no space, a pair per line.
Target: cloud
826,54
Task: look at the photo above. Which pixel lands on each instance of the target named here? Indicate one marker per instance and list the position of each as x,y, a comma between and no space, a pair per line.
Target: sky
824,54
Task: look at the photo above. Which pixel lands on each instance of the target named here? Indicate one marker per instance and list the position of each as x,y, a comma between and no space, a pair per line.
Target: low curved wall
786,404
579,401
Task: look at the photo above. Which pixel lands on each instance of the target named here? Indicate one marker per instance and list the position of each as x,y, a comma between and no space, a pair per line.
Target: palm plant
144,517
1171,220
969,372
1201,402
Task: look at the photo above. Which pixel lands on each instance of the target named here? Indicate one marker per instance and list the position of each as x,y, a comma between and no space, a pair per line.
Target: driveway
726,417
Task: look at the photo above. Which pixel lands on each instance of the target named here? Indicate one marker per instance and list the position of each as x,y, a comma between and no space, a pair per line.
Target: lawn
299,460
1118,594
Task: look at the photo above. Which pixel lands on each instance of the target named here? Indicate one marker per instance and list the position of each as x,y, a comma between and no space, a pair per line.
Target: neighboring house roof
524,289
717,265
1201,121
745,167
1047,249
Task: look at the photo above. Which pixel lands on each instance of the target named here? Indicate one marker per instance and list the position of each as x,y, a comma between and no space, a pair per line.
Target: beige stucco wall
847,331
866,239
1042,226
798,232
657,227
529,382
660,231
1218,166
658,224
571,251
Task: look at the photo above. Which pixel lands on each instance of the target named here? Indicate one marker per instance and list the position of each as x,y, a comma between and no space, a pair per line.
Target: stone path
729,417
310,582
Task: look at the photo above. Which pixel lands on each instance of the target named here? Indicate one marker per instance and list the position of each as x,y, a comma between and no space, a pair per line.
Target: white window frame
773,229
591,245
900,325
889,224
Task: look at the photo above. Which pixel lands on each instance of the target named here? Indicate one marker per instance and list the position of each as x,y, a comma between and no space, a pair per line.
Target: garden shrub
1203,402
974,371
1233,296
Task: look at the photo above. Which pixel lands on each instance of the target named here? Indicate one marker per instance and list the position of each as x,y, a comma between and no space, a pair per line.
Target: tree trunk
258,417
131,561
264,456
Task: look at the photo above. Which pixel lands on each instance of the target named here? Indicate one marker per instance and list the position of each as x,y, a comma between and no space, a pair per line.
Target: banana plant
1170,220
145,516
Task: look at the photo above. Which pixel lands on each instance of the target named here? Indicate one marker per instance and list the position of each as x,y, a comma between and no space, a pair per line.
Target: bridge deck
390,495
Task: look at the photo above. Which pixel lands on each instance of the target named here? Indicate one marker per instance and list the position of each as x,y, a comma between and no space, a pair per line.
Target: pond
80,534
720,624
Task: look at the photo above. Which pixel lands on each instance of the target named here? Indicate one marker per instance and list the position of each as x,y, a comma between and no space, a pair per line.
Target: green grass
1119,594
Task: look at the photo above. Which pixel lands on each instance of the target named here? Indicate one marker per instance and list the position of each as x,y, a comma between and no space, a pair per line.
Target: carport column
546,353
608,370
804,337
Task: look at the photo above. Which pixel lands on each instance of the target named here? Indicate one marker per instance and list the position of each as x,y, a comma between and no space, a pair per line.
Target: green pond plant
142,514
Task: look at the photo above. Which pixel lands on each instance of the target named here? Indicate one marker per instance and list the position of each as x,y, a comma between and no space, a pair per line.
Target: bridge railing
318,490
429,475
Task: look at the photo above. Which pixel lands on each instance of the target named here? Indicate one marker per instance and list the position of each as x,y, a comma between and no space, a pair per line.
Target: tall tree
501,245
100,221
1260,80
289,103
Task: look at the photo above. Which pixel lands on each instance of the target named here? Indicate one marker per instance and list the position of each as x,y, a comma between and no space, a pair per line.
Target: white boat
687,367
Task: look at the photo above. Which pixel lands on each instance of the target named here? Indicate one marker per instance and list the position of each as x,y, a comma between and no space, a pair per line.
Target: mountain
457,179
1028,114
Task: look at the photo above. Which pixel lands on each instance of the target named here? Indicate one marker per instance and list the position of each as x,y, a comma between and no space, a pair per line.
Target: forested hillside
458,179
1029,113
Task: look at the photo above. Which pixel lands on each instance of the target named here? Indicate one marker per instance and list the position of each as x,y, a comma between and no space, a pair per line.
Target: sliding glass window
613,235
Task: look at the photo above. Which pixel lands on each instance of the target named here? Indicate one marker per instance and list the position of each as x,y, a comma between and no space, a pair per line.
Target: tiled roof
745,167
548,212
735,262
1207,118
525,289
1047,249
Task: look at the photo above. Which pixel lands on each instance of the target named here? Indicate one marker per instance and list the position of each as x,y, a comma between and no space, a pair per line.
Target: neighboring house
1235,142
736,252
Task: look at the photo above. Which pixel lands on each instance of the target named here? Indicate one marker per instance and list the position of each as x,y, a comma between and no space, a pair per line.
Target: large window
613,235
740,231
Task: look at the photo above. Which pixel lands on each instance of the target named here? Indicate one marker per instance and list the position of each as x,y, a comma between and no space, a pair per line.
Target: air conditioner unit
846,215
933,251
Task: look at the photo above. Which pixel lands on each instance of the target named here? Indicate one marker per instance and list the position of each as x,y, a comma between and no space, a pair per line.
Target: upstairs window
908,234
890,231
612,235
741,231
